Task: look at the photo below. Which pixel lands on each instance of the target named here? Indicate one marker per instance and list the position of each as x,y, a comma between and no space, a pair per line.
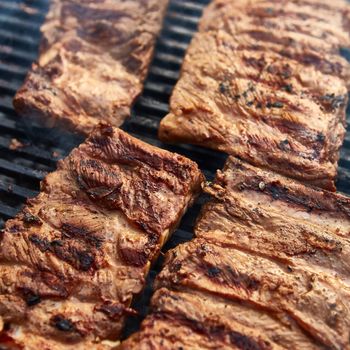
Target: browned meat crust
76,255
264,80
94,57
195,320
269,269
267,214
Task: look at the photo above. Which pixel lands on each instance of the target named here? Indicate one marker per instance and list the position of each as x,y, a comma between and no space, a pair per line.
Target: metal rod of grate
37,150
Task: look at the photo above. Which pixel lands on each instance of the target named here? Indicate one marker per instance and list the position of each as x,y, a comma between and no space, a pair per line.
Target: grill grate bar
9,167
16,24
158,88
7,87
6,104
188,7
37,5
168,59
31,151
180,33
19,38
183,19
13,71
7,212
19,191
156,105
24,10
15,55
171,44
164,74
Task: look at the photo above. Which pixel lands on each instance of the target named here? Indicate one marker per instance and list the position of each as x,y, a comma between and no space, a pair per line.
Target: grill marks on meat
263,213
94,57
317,303
268,269
194,320
76,255
264,81
143,182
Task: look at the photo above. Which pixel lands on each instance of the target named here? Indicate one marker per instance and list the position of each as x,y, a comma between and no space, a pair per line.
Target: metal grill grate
21,169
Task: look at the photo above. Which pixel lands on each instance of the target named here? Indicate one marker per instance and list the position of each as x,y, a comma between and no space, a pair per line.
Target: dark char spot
276,104
57,242
30,297
42,244
213,271
80,232
31,219
241,279
284,145
81,260
332,102
243,342
288,88
62,324
85,260
223,88
320,137
176,267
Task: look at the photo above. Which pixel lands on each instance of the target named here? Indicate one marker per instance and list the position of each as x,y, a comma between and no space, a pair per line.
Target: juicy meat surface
197,320
264,80
94,57
267,214
268,269
77,254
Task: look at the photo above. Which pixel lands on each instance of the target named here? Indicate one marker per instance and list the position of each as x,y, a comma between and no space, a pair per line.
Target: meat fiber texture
265,81
268,269
74,258
93,60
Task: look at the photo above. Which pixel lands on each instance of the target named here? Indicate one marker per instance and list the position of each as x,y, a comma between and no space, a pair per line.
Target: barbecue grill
24,164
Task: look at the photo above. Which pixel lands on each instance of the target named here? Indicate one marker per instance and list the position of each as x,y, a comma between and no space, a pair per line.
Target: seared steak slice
74,258
270,90
269,269
94,57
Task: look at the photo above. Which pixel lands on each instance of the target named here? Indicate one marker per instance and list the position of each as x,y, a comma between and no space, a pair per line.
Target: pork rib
264,81
93,60
77,254
268,269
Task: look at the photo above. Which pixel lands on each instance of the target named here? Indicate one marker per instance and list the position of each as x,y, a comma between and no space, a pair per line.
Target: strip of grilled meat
94,57
194,320
264,80
75,256
268,269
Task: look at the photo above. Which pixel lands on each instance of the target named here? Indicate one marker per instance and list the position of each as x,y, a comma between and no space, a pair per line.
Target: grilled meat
264,80
94,57
76,255
318,303
197,320
268,269
265,213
